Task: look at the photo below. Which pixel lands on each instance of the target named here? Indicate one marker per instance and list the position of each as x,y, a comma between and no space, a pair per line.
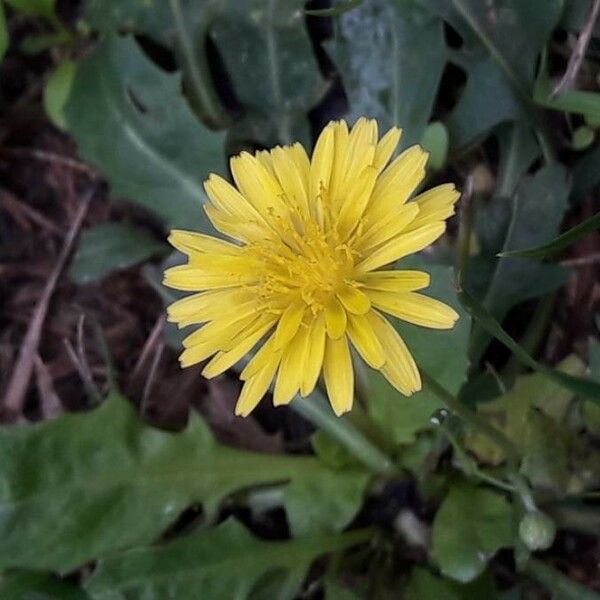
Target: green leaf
500,50
336,10
546,453
109,247
512,280
104,481
325,502
442,354
268,54
584,387
224,562
35,8
592,411
31,585
265,47
57,92
471,525
559,243
511,411
424,585
381,49
130,120
518,150
154,19
579,102
3,33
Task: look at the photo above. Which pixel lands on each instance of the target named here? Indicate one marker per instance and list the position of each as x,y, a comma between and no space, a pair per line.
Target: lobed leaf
500,48
381,49
104,481
129,120
511,224
223,562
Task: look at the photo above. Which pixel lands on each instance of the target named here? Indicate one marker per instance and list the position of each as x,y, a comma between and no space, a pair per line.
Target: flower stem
317,410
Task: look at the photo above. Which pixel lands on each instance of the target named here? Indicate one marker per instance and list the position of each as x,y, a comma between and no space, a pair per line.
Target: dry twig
19,381
579,51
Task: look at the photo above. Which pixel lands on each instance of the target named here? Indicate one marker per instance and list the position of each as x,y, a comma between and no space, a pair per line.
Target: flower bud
537,530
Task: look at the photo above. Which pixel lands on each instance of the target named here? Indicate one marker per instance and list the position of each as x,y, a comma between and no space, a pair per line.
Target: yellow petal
261,358
314,356
226,308
302,162
245,342
355,202
335,318
196,354
361,151
403,245
242,229
379,232
353,299
256,387
395,281
436,204
213,300
364,339
219,331
385,148
292,367
213,275
289,323
264,157
322,160
400,368
290,178
211,338
338,168
397,182
415,308
190,242
258,186
227,200
339,375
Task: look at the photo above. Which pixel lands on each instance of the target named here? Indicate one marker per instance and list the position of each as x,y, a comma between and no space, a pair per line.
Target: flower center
310,266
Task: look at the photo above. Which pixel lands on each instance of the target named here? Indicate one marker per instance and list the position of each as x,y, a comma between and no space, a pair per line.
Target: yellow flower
305,267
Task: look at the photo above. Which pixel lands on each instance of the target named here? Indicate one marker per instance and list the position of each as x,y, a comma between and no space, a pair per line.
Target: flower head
304,268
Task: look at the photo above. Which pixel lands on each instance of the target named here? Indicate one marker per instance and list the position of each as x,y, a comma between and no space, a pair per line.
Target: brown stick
581,261
578,52
50,405
52,158
10,201
147,349
17,386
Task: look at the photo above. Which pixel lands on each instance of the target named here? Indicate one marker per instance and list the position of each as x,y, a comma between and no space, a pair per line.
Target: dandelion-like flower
304,268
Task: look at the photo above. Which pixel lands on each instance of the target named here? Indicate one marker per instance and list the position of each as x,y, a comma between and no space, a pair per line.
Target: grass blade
582,387
558,243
